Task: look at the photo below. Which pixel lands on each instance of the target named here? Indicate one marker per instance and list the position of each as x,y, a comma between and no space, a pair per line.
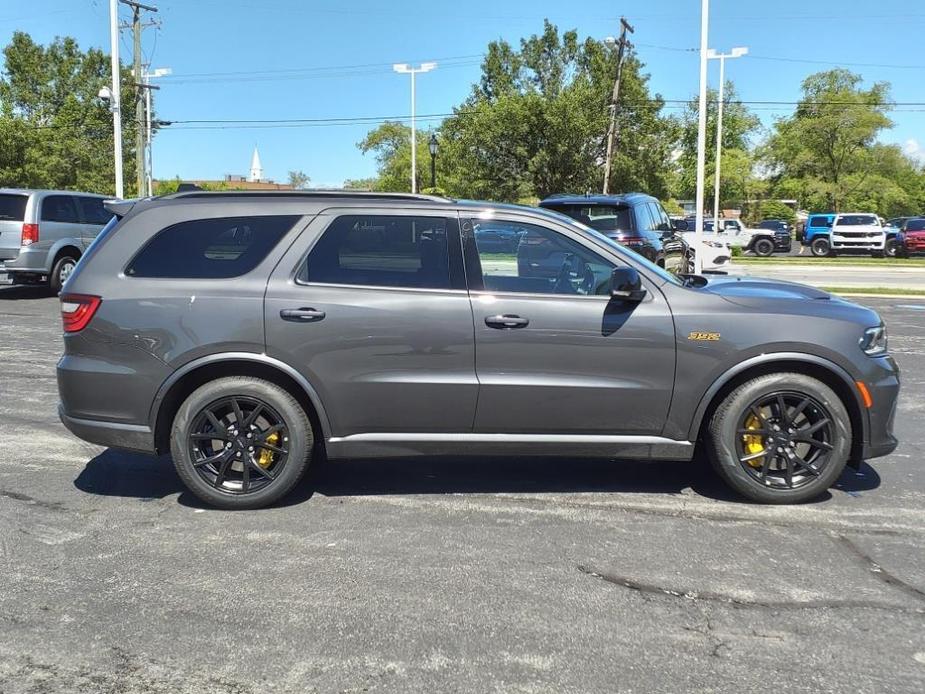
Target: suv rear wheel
821,247
780,438
241,442
63,268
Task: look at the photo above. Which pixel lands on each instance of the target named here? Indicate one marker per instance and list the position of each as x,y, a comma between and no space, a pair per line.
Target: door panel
382,358
574,363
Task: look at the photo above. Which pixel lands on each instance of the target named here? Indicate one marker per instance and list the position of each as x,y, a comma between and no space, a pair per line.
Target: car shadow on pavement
10,292
146,477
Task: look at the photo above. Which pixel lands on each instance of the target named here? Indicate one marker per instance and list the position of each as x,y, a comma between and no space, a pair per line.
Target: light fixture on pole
115,93
736,52
433,146
701,136
406,69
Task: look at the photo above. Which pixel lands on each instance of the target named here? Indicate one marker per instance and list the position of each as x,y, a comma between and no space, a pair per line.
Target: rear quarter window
13,207
59,208
210,248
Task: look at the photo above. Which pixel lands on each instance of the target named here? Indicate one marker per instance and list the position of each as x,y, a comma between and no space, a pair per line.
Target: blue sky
329,60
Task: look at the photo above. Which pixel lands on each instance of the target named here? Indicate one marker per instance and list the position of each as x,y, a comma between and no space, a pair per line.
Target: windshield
857,220
915,225
599,217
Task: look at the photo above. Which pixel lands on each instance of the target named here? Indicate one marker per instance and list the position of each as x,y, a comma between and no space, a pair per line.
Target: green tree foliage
738,180
299,179
536,124
824,155
54,130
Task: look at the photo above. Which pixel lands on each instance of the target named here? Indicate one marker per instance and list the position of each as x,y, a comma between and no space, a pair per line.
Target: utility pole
140,176
158,72
615,99
701,135
115,93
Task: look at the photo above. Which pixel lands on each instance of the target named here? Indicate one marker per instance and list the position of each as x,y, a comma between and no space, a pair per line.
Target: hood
748,290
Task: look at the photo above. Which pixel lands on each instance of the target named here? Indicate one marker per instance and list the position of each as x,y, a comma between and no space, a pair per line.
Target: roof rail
349,194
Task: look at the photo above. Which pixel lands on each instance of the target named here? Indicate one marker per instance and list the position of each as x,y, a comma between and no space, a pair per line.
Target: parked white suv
858,231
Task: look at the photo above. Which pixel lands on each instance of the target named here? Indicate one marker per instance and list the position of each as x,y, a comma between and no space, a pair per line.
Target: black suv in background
783,233
634,220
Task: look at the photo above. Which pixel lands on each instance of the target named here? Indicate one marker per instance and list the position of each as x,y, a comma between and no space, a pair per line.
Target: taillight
77,311
30,234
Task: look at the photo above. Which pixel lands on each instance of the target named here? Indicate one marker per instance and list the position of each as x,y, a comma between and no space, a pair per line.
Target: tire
763,248
62,269
893,248
224,483
764,478
821,248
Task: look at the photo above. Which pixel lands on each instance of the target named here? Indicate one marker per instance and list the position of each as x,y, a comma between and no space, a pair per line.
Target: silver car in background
43,233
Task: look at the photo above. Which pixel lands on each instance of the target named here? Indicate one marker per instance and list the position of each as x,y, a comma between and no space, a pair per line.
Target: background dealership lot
473,575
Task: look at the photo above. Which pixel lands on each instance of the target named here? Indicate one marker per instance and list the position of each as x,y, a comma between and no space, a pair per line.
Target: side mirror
679,225
626,285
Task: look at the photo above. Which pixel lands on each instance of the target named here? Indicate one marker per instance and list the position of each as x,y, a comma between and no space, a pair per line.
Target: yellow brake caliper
265,459
754,443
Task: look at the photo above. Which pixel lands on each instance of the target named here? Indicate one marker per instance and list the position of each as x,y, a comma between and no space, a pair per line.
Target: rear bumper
30,259
110,434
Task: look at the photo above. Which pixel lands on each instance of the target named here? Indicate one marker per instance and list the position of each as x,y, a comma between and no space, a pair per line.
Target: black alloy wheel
784,439
238,445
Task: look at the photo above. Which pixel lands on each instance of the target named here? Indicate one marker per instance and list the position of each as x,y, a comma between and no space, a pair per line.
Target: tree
536,123
54,130
299,179
737,165
822,154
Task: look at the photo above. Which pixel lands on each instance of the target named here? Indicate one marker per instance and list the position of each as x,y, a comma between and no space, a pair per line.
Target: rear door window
603,218
92,210
60,208
210,248
13,207
382,251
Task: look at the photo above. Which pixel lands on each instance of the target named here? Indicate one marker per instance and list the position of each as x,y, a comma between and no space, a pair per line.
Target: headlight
874,342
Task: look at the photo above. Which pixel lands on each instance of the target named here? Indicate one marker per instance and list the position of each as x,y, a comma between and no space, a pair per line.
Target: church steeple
256,173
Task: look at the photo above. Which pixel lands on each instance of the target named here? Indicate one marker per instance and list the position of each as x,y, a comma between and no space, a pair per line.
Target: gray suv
250,333
43,233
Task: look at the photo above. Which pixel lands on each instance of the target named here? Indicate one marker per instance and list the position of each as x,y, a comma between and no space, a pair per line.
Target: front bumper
883,384
133,437
858,243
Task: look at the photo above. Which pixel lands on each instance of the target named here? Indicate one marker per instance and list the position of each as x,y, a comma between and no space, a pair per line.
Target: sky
327,60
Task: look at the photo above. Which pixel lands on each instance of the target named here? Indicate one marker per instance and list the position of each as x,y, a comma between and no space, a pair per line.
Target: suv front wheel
821,248
763,247
241,442
780,438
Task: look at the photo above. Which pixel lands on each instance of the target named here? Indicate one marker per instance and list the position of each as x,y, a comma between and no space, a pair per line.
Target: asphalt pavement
468,575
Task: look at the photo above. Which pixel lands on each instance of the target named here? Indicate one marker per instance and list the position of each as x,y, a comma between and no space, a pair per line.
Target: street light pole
432,146
116,93
404,68
701,136
736,52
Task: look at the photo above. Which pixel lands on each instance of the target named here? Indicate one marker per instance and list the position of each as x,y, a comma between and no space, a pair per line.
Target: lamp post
433,146
701,136
405,69
736,52
115,93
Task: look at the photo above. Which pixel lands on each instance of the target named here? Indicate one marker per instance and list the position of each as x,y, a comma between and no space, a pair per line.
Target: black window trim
329,216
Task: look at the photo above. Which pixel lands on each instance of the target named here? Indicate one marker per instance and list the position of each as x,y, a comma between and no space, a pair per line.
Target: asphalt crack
715,597
878,571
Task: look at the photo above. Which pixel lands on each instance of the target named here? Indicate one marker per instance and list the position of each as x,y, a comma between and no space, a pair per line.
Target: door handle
301,315
506,322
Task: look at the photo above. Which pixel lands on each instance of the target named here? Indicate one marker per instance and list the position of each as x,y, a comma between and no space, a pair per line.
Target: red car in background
913,236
